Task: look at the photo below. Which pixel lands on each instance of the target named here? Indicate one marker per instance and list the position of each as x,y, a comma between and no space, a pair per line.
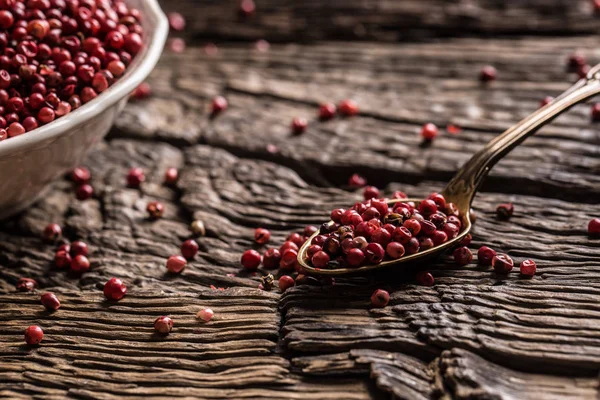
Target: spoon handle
466,182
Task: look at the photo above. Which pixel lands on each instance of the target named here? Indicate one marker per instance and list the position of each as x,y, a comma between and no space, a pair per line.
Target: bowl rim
141,68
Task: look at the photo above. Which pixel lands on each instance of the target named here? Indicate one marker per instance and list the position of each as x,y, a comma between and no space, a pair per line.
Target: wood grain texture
474,335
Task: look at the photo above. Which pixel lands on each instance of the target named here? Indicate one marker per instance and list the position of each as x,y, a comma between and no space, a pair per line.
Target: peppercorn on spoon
462,188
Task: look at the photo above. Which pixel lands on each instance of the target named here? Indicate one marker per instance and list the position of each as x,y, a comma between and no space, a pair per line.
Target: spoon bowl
461,190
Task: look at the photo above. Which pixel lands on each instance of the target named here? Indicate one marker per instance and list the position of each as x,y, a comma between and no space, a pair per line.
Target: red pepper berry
171,176
355,257
485,255
135,177
395,250
155,209
427,207
189,249
52,233
143,91
262,46
299,126
80,175
348,108
33,335
505,211
80,264
309,230
374,253
502,263
289,245
251,260
286,282
425,278
62,259
439,237
261,235
163,325
488,74
462,255
594,227
380,298
356,181
327,111
575,61
205,314
528,267
219,104
114,289
84,192
429,131
247,8
289,259
271,259
79,248
320,260
176,21
466,241
314,249
413,226
50,301
412,246
26,285
595,112
371,192
176,264
546,100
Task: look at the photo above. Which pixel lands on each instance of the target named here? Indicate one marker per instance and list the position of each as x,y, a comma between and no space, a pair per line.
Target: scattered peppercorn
289,259
84,192
142,92
371,192
262,46
528,267
424,278
463,255
163,325
155,209
575,61
176,264
176,45
197,228
271,259
135,177
189,249
356,181
299,126
594,227
251,260
33,335
171,176
453,129
78,248
80,264
502,263
261,235
348,108
80,175
380,298
62,259
488,74
205,314
219,104
286,282
50,301
114,289
176,21
429,131
505,211
52,233
247,8
485,255
327,111
26,285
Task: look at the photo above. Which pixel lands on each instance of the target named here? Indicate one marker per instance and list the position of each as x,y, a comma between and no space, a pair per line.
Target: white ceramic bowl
29,162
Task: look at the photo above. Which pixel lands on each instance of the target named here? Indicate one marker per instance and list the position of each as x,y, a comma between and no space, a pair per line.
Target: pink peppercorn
80,264
50,301
176,21
80,175
299,126
205,314
371,192
327,111
79,248
546,100
502,263
251,260
355,257
380,298
314,249
143,91
26,285
488,74
425,278
163,325
594,227
429,131
176,264
289,259
155,209
33,335
505,211
271,259
462,255
286,282
262,236
189,249
320,259
171,176
135,177
84,192
114,289
395,250
466,241
527,268
374,253
219,104
485,255
356,181
348,108
289,245
52,232
62,259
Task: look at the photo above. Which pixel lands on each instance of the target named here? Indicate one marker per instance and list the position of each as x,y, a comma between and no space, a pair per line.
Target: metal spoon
462,188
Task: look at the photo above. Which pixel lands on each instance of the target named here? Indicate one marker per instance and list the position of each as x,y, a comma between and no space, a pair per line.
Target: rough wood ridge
474,335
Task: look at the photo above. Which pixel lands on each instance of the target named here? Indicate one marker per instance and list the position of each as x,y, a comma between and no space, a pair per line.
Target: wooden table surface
474,335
